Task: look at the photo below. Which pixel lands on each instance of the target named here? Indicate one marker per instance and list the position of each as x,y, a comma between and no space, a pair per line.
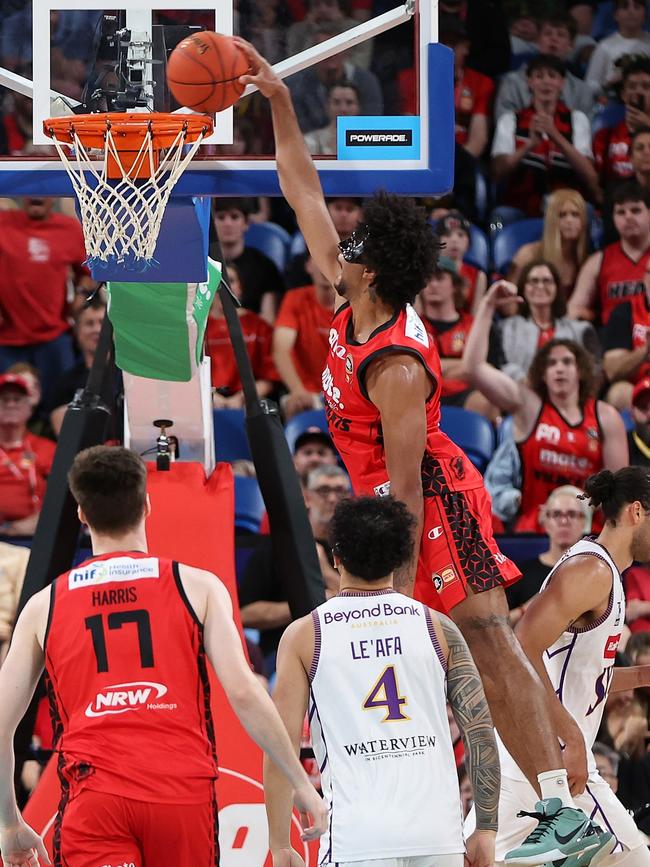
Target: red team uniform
619,279
557,453
130,704
458,548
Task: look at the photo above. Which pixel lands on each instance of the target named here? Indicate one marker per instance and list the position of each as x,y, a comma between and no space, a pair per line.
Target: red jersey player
125,638
382,389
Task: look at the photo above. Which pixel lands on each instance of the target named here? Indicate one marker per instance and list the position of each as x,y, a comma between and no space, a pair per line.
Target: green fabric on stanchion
159,327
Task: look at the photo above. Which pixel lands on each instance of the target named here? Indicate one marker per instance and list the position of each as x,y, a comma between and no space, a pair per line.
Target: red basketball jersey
619,278
128,683
557,453
451,344
355,422
640,328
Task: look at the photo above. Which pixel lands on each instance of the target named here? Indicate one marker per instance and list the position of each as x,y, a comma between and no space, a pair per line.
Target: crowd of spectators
552,111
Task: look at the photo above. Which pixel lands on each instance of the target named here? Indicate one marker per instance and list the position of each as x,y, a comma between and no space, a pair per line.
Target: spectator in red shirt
300,341
473,91
25,460
616,273
38,252
545,146
612,144
258,336
454,230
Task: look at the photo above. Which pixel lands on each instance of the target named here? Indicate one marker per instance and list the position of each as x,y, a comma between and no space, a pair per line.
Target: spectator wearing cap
263,284
638,439
454,230
612,145
262,598
442,301
629,38
627,346
258,336
39,250
313,448
555,37
545,146
25,460
300,341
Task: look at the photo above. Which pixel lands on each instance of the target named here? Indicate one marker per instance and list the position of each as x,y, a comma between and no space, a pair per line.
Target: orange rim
127,130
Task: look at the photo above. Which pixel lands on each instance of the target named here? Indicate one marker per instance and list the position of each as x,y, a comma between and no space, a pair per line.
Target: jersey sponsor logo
611,645
625,288
434,534
385,748
381,609
437,582
561,459
414,329
118,569
332,393
448,575
336,348
547,433
349,368
123,697
382,490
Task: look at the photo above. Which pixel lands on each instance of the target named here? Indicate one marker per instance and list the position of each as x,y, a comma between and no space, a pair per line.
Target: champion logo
123,697
436,533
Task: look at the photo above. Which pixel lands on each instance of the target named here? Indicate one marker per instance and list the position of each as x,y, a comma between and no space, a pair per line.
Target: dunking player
570,632
382,386
376,669
124,639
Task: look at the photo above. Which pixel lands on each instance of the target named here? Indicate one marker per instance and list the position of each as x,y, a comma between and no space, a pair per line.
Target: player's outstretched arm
472,714
19,844
291,695
399,387
249,700
298,176
580,585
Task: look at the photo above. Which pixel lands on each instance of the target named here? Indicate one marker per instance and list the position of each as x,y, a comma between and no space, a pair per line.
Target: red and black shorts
458,553
101,830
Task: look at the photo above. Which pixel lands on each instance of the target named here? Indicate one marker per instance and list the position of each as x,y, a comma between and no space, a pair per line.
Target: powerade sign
378,138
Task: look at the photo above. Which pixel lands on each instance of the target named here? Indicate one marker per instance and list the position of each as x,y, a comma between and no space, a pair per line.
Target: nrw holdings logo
123,697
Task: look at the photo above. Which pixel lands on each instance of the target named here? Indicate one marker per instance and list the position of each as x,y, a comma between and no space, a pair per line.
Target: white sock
554,784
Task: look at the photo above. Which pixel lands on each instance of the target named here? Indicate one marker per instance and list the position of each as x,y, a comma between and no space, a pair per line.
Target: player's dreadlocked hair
372,536
401,248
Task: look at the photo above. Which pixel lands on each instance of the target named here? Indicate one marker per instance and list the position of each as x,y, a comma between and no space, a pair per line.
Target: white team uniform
378,718
580,666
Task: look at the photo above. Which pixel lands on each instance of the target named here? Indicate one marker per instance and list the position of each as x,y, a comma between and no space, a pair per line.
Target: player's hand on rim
261,74
312,810
479,848
21,846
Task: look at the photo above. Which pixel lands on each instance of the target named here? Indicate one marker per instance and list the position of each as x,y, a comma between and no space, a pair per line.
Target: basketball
203,71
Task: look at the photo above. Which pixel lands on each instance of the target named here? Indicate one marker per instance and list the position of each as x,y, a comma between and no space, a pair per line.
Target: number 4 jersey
127,682
380,734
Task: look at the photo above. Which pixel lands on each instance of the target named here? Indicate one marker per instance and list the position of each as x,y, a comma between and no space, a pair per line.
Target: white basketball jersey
580,663
379,730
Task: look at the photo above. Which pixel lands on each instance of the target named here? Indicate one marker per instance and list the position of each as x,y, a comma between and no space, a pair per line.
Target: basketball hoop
122,205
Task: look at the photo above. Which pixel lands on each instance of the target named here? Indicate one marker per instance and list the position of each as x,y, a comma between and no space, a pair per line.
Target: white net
121,218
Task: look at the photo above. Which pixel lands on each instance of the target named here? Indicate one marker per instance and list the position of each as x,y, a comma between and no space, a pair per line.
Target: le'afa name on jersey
116,569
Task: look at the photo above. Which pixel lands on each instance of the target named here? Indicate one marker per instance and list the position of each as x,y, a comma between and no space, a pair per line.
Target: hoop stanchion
123,204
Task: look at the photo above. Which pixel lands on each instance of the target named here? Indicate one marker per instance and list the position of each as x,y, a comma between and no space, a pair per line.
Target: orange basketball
203,71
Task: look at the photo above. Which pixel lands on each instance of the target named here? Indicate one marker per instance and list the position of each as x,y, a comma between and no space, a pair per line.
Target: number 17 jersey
127,682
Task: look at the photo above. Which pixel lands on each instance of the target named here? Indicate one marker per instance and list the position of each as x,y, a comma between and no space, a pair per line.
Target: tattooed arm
470,708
